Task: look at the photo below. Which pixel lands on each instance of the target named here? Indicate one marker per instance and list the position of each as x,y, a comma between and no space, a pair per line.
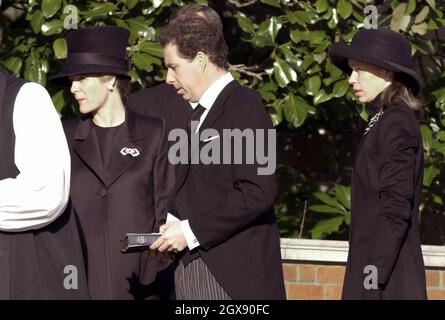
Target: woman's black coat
132,196
384,231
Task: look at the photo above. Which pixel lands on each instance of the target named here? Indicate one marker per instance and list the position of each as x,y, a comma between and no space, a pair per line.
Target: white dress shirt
207,100
39,194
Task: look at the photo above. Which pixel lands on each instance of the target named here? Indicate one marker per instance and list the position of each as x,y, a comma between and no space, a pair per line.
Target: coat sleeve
251,196
164,179
398,143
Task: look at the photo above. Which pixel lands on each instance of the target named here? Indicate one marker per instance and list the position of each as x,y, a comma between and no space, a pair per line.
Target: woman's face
91,92
367,80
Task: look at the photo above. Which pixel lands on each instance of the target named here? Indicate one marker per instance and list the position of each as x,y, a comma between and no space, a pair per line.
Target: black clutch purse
134,242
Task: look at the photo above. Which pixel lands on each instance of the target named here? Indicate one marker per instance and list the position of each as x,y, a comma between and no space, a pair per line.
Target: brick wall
322,277
306,281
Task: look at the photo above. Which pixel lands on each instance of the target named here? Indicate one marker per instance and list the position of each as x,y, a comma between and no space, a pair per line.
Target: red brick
432,278
332,292
307,273
442,275
290,272
436,294
305,292
331,274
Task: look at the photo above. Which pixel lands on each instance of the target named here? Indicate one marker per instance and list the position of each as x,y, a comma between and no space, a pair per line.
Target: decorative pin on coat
134,152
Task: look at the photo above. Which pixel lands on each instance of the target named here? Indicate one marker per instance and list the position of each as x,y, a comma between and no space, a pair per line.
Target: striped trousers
195,282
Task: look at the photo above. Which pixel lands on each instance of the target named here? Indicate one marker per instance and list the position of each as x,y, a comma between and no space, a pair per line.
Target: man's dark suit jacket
163,102
230,206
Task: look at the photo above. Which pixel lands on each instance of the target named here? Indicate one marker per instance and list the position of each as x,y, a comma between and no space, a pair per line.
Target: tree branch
241,68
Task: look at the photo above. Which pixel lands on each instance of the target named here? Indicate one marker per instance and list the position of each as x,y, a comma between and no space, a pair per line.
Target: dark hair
122,84
200,10
192,32
398,92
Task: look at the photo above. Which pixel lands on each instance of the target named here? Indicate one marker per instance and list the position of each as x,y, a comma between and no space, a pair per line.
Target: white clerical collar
209,96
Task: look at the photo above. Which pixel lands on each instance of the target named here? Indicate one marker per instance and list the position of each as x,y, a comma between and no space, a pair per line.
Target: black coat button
103,192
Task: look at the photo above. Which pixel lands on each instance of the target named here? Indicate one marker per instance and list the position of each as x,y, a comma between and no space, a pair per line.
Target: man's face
185,75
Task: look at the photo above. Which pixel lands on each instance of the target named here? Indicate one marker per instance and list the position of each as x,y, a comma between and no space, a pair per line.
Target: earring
110,88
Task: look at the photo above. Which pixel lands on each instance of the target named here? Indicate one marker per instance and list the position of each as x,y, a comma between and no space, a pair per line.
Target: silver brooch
373,121
131,151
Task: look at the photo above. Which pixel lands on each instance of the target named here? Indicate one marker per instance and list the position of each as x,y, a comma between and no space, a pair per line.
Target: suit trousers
196,282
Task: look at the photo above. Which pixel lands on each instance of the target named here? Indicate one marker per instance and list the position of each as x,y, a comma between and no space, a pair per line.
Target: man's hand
172,238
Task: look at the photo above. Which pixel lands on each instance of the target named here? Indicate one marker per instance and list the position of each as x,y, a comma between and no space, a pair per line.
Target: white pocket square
210,138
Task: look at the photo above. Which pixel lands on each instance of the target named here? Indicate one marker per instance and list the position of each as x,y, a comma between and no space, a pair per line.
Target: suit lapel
131,138
87,148
89,151
215,112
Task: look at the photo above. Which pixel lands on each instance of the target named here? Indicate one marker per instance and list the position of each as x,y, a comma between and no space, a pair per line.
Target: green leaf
429,174
399,20
324,209
327,199
152,48
50,7
273,3
312,85
52,27
422,15
343,194
33,69
283,72
411,7
60,48
426,137
139,27
267,32
295,110
340,88
321,5
145,61
344,8
321,96
37,20
98,9
315,37
421,28
132,3
333,22
432,3
327,226
245,23
14,65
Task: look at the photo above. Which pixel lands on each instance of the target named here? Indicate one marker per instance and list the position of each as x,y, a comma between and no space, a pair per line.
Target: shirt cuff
171,218
192,242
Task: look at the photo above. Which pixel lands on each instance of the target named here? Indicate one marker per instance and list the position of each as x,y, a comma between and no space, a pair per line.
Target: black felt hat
383,48
95,50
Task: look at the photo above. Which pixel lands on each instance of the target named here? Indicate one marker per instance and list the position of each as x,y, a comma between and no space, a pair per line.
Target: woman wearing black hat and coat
121,178
385,258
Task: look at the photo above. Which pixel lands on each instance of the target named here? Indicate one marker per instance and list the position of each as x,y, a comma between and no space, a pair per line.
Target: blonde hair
398,92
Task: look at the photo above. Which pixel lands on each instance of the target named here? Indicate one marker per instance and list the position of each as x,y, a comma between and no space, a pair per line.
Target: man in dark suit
161,101
221,224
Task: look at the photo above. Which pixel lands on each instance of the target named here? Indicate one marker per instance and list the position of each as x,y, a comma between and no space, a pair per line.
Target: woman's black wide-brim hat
383,48
95,50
